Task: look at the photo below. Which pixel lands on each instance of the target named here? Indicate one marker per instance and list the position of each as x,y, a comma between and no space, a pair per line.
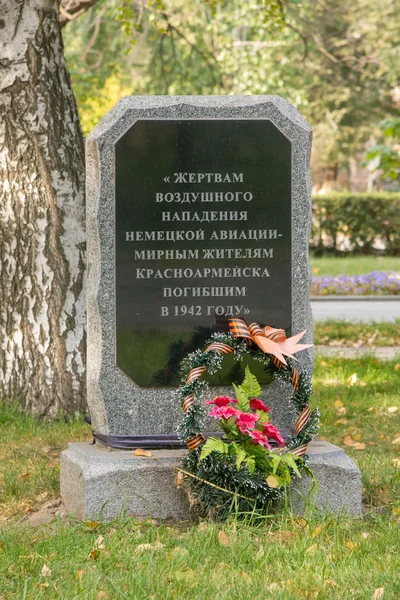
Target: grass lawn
344,333
332,558
353,265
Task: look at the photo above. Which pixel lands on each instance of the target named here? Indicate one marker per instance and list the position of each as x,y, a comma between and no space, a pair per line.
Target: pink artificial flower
272,432
256,404
222,412
260,439
245,421
220,401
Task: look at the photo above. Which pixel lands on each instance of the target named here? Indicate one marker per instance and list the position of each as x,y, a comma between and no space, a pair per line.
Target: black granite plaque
203,233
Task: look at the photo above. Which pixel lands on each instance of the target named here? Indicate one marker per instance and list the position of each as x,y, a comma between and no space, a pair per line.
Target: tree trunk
42,237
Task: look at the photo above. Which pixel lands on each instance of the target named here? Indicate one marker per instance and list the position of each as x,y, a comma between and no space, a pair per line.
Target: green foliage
360,219
388,156
330,59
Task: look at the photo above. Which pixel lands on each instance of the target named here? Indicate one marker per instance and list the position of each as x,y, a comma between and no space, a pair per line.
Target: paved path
382,353
352,309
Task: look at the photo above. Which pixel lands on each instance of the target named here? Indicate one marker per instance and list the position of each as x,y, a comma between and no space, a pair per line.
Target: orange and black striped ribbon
300,450
187,402
219,347
303,419
238,328
195,442
195,374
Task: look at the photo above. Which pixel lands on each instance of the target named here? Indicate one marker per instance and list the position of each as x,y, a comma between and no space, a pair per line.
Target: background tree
330,58
42,238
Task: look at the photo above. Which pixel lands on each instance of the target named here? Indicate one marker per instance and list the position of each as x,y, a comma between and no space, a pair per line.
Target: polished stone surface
203,233
117,404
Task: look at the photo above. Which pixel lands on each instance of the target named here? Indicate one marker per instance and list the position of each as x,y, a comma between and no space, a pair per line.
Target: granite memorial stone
198,208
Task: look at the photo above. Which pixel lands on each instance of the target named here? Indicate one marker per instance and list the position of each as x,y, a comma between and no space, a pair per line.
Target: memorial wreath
240,468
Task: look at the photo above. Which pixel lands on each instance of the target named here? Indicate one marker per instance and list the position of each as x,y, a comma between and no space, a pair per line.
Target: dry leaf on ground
378,593
141,452
45,572
92,524
352,379
396,441
149,547
392,409
79,574
223,538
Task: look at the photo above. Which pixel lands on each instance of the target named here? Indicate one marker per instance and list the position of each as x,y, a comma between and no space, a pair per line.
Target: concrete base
338,482
96,482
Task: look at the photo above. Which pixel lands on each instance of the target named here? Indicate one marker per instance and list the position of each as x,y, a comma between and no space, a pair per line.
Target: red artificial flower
260,439
245,421
256,404
220,401
222,412
272,432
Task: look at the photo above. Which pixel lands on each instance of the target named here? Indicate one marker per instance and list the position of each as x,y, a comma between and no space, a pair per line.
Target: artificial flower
256,404
260,439
273,433
245,421
222,412
220,401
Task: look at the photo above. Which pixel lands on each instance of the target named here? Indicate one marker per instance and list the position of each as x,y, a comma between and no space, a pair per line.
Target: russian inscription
180,274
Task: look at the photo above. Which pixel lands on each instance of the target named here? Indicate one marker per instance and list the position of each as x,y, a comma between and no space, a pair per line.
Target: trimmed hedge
354,222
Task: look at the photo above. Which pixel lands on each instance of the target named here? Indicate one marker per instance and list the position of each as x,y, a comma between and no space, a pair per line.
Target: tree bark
42,237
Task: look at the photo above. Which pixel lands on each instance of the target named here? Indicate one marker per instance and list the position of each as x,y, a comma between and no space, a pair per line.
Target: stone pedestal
96,482
338,482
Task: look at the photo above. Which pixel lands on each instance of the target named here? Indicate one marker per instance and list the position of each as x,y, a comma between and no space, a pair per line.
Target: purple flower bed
375,283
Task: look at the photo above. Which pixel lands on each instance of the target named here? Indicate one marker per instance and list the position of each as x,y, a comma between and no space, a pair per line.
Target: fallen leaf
338,403
341,422
359,446
342,410
331,582
273,587
397,366
41,585
317,530
396,510
140,452
92,524
184,575
352,379
94,554
2,545
45,572
396,441
79,574
315,270
223,538
396,462
378,593
323,363
365,535
348,440
357,437
350,545
272,482
149,547
101,594
179,479
392,409
99,543
25,476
